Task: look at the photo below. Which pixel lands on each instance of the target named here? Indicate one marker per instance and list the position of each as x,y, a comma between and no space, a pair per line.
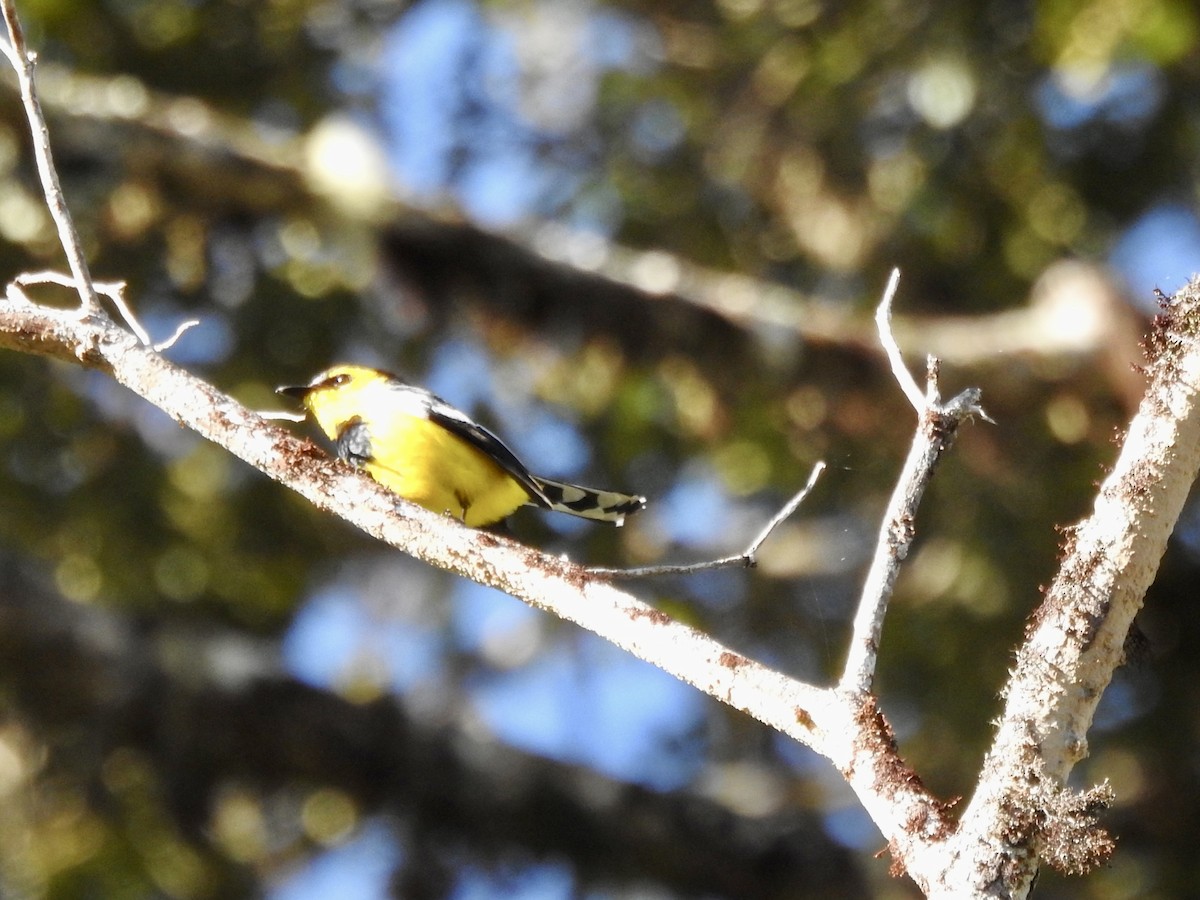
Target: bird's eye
337,380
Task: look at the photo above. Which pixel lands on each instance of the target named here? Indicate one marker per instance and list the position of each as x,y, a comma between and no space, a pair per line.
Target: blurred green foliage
808,144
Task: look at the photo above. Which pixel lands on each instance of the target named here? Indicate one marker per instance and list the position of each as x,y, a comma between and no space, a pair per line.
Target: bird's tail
576,500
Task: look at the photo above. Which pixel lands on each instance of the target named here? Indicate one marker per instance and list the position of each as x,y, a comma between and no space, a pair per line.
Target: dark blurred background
643,241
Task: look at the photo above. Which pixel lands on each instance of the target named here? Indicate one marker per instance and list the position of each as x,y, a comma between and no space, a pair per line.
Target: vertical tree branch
23,63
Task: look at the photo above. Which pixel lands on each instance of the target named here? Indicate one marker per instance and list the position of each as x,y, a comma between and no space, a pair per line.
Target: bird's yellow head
337,395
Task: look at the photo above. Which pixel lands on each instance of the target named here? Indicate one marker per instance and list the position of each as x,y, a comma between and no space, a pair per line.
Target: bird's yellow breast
423,462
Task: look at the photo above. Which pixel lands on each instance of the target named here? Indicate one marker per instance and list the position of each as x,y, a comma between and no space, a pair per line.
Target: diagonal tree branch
1076,637
850,731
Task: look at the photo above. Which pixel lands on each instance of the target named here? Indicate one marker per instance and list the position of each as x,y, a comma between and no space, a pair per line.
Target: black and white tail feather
588,503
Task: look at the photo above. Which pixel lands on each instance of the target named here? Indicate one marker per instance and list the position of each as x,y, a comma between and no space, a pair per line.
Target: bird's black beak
297,391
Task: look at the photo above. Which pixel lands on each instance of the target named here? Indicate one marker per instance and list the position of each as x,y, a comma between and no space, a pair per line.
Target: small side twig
114,291
23,62
748,558
276,415
883,324
938,424
179,331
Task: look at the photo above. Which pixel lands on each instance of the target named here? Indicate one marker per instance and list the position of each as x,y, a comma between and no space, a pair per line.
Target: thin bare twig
179,331
883,323
937,426
23,62
276,415
115,292
746,559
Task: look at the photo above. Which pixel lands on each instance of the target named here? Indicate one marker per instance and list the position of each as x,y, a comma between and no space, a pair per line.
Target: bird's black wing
461,425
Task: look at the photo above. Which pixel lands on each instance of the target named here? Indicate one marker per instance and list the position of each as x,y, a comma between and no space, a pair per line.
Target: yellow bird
428,452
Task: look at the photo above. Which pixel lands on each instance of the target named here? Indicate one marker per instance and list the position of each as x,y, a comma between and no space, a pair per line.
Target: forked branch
937,425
